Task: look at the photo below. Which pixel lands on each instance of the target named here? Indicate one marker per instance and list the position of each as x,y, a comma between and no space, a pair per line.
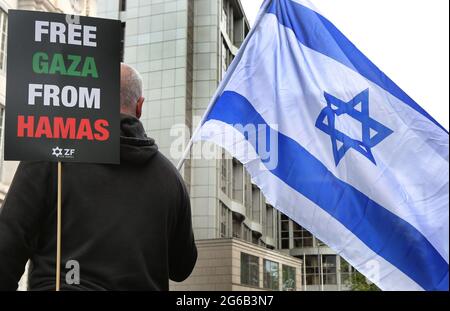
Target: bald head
131,99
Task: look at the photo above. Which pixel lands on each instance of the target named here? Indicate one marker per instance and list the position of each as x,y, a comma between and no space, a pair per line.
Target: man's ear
139,105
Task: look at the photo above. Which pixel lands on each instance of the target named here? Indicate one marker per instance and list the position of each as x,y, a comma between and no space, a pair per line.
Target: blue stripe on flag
316,32
385,233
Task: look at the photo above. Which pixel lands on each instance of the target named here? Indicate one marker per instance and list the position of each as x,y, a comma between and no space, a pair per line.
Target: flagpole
58,230
224,82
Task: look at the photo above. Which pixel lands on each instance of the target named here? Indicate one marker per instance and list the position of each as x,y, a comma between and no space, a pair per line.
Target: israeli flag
337,146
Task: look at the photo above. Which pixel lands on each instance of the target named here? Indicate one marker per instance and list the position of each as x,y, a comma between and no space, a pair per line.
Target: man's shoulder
168,168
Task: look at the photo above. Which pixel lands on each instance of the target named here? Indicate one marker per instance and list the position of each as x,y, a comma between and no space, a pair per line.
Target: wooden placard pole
58,230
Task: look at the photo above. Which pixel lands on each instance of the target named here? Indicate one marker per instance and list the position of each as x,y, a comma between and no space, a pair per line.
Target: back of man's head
131,99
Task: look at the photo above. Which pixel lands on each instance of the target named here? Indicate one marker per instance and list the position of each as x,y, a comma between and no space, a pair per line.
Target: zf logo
63,153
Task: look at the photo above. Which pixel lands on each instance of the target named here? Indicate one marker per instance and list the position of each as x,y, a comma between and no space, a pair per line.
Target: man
127,226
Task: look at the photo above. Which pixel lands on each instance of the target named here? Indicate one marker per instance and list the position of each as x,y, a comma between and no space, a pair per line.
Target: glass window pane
329,269
271,275
249,270
308,242
288,278
3,38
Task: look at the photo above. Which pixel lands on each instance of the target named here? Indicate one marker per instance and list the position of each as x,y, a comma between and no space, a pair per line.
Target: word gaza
70,65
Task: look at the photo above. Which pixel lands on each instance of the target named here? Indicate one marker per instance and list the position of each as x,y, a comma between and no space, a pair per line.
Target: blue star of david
373,132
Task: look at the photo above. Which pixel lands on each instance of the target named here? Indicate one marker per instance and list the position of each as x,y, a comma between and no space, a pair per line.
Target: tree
360,283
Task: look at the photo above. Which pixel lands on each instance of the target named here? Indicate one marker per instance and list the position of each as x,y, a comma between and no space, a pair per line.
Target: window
247,234
225,176
224,17
246,30
227,18
2,116
123,5
122,41
248,195
249,270
256,204
346,272
224,58
312,270
284,232
288,278
238,29
255,238
313,273
237,226
302,237
227,57
264,220
224,220
271,278
3,37
269,223
2,145
329,269
238,179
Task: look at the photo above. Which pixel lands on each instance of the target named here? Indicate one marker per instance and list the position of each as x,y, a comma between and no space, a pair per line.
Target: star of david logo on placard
372,131
57,152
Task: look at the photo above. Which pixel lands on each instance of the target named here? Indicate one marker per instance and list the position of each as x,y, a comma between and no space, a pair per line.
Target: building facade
323,269
230,264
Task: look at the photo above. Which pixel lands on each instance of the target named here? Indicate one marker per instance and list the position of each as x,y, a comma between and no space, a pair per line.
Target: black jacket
128,226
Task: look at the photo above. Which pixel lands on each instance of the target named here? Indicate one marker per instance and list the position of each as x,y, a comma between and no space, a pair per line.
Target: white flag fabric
337,146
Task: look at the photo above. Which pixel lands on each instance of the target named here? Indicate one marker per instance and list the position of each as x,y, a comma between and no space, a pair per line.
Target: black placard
63,88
